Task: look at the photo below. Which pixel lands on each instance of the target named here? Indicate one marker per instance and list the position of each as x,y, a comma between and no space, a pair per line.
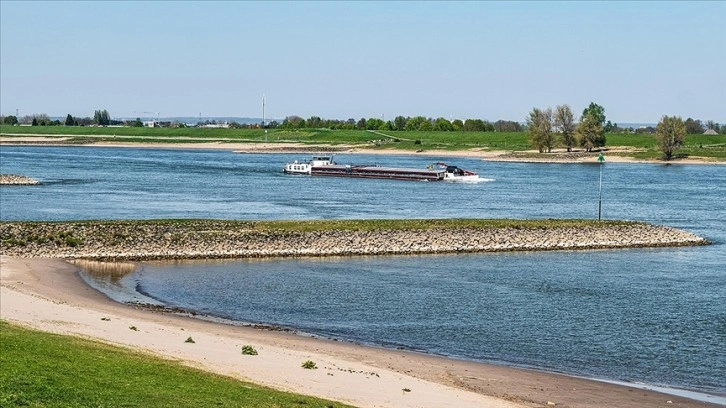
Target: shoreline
559,156
49,294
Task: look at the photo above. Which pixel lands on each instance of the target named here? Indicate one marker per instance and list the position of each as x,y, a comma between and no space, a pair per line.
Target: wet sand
48,294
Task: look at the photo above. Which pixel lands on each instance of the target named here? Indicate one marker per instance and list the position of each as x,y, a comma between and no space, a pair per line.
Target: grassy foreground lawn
49,370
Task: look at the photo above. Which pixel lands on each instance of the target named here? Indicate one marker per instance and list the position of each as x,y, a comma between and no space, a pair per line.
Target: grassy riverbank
50,370
637,146
188,239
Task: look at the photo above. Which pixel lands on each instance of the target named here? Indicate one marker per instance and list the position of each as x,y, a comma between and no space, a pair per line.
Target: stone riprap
16,180
217,239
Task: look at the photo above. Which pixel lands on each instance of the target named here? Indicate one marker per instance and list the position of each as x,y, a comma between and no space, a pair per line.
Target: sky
339,60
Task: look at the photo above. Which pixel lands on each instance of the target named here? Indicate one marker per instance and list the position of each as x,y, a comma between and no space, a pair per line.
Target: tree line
100,118
561,121
547,128
399,123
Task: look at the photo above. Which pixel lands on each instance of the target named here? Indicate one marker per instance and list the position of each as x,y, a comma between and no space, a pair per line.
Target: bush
189,340
309,365
249,351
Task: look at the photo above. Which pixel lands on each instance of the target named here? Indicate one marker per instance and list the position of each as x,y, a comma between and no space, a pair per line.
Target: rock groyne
16,180
221,239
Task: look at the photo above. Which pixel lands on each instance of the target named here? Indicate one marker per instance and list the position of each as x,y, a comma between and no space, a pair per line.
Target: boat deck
396,173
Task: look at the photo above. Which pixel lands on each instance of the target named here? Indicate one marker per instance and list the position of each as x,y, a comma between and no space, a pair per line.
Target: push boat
326,166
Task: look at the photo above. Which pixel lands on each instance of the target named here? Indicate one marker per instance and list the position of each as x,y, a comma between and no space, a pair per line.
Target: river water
651,316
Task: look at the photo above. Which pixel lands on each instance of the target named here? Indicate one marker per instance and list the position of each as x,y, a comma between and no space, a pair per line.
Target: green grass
696,145
36,231
49,370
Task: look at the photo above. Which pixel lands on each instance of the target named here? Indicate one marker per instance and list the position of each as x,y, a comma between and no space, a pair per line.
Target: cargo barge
378,172
325,166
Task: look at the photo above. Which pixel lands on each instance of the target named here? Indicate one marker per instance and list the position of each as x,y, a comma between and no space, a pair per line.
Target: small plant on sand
106,319
309,365
189,340
406,390
133,328
249,351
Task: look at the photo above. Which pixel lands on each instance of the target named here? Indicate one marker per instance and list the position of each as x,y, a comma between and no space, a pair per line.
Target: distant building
710,132
157,123
216,125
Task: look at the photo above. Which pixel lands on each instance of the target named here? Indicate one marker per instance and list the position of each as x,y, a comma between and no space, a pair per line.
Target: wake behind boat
326,166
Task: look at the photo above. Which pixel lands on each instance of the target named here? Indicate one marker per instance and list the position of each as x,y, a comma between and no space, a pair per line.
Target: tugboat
307,166
454,173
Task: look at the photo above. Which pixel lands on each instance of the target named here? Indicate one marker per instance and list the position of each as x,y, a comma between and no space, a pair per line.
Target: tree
564,122
399,123
69,120
35,122
314,122
426,126
443,124
671,134
608,127
414,123
539,123
694,127
293,122
101,117
507,126
457,124
361,125
590,131
597,112
374,124
10,120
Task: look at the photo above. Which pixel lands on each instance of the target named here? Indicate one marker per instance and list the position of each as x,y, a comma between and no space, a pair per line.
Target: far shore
613,154
48,294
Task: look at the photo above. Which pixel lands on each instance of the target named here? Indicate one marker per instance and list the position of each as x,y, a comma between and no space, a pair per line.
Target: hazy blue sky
339,60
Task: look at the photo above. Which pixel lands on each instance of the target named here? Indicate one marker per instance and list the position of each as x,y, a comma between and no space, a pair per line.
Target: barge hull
392,173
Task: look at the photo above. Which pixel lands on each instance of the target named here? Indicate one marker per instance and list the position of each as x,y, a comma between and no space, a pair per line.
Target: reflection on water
115,279
113,271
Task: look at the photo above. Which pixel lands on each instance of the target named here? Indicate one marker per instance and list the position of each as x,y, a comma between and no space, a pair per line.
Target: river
651,316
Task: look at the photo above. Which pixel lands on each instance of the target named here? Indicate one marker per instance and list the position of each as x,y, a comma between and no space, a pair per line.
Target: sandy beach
48,294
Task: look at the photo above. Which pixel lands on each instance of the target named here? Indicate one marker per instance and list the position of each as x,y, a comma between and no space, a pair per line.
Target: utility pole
601,159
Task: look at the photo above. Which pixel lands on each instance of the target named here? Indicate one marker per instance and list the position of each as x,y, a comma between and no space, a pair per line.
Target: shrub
189,340
309,365
249,351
